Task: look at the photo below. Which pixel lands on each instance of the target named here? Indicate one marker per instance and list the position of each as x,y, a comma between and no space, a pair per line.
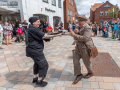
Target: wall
66,16
31,7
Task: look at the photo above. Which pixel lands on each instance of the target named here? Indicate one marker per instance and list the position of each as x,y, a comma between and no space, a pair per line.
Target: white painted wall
30,7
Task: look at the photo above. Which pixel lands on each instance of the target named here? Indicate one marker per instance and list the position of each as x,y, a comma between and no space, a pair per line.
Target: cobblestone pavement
16,68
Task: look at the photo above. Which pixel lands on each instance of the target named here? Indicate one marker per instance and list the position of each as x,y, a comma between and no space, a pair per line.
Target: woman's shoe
35,80
7,44
41,83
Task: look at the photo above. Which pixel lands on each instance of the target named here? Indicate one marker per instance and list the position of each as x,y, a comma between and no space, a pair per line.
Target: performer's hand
59,34
76,31
72,33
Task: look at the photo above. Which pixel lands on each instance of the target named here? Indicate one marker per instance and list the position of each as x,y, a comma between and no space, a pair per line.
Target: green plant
110,12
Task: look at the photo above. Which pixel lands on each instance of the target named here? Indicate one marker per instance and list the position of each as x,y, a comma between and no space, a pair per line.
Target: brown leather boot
88,75
78,78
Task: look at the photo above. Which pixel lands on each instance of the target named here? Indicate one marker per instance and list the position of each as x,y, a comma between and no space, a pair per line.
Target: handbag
93,52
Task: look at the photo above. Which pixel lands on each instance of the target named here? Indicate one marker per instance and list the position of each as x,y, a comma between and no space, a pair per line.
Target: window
106,6
59,3
45,1
106,13
101,21
54,2
101,13
69,1
68,11
72,2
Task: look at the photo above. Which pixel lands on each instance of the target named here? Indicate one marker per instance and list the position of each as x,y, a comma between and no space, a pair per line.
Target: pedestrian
112,27
61,24
84,42
107,25
119,29
44,27
49,29
94,30
48,23
73,25
20,33
67,26
101,28
7,33
11,26
34,49
25,24
1,36
116,29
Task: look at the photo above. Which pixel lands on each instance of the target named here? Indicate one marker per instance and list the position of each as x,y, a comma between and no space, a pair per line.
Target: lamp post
113,13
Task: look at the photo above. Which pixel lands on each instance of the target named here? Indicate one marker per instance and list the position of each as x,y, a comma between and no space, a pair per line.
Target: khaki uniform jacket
84,37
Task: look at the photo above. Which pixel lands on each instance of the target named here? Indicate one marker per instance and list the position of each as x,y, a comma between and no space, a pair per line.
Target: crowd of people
103,29
11,29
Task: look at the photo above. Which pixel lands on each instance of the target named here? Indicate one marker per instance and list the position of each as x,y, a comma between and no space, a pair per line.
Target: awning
8,11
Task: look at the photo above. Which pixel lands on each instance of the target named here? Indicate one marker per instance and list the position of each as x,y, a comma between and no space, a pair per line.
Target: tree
110,12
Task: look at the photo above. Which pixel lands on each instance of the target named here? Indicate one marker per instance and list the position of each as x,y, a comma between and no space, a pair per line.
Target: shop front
56,20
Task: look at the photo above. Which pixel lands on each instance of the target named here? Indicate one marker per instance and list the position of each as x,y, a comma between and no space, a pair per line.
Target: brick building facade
99,12
70,11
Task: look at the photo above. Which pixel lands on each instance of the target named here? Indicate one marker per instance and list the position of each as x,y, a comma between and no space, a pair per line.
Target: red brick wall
66,16
96,14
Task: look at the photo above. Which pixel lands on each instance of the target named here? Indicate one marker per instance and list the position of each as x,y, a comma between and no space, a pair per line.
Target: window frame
68,11
107,5
45,1
54,4
100,13
60,4
105,13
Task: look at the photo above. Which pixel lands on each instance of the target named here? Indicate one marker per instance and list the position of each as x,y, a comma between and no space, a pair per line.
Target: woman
101,28
20,33
49,29
94,30
7,33
34,49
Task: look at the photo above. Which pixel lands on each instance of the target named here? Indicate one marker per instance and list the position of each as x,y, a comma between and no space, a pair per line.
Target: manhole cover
104,65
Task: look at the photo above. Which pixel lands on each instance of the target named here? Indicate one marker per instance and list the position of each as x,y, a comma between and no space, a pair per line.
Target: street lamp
113,13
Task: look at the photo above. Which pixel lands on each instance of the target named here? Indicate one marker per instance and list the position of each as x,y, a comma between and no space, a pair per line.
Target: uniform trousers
40,67
81,53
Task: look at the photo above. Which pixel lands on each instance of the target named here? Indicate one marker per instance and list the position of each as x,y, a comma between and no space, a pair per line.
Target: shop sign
10,3
49,10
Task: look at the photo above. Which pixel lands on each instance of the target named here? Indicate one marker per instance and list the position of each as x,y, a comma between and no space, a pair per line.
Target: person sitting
61,30
20,33
49,29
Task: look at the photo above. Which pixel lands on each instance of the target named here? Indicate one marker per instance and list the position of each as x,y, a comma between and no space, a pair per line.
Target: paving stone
53,80
11,74
56,74
51,71
116,86
80,89
94,85
72,78
11,89
3,88
86,84
10,84
67,72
